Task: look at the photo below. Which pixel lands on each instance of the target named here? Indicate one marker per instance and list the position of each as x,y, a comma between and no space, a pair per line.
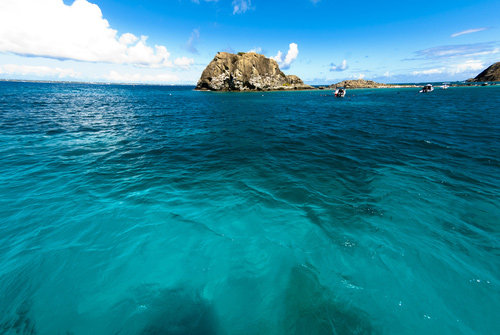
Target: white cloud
256,50
241,6
456,51
470,31
292,54
198,1
341,67
453,69
356,76
428,72
388,74
38,71
142,55
470,65
128,38
184,62
51,29
115,76
193,40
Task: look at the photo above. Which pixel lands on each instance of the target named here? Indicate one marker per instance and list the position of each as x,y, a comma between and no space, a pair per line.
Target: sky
323,42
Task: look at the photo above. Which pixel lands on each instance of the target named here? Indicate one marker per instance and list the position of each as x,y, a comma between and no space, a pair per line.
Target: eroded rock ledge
246,72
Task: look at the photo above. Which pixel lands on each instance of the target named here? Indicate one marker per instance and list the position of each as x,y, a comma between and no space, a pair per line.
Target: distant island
492,73
361,83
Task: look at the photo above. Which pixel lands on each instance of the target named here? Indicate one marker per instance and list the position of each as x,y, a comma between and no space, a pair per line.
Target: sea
164,210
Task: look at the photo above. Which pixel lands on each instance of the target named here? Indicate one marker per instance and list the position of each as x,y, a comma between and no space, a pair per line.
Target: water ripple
139,209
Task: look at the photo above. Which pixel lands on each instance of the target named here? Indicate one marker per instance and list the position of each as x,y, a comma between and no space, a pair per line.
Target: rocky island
361,83
246,72
492,73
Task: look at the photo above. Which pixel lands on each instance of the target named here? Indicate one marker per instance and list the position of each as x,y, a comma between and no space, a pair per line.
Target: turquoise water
162,210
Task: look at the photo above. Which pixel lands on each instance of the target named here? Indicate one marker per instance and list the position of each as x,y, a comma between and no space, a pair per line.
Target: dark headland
492,73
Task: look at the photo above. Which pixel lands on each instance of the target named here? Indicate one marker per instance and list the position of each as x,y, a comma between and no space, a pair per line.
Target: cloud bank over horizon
39,71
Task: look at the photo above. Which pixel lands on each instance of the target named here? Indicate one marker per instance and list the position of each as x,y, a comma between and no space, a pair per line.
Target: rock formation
246,72
490,74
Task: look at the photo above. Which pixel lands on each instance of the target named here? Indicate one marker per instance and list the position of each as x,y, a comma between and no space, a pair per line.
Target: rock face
246,72
359,83
490,74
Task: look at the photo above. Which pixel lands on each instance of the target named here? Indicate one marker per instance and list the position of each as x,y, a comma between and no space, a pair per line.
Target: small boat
445,86
427,88
340,92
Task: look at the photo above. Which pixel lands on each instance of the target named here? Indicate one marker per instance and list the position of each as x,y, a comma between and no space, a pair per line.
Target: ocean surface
163,210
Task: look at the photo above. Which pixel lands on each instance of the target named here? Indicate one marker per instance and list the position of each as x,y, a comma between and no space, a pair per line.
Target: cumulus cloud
51,29
127,39
38,71
241,6
291,55
469,31
341,67
193,40
115,76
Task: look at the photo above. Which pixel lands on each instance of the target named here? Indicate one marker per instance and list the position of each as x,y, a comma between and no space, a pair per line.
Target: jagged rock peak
246,72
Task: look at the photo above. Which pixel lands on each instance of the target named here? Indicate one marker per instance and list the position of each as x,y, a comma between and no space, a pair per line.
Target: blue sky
321,41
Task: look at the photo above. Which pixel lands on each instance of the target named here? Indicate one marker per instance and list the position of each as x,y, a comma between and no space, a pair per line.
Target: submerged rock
311,308
151,310
246,72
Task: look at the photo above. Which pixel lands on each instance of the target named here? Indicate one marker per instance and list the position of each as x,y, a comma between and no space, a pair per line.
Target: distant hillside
490,74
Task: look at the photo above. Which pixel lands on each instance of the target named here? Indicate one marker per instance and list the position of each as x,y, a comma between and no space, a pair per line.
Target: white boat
340,92
427,88
445,86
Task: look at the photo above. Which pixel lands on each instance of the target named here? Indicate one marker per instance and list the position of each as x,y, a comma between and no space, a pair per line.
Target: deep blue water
162,210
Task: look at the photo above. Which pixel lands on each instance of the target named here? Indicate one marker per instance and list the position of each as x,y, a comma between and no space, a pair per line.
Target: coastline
314,87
